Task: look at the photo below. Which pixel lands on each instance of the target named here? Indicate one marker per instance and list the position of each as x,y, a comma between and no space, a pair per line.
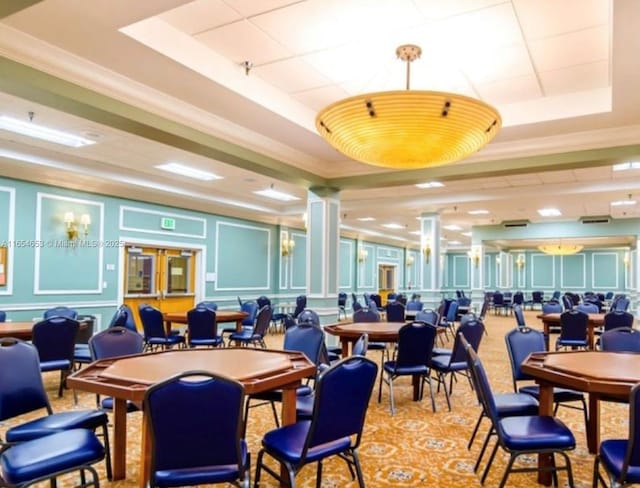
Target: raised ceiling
168,80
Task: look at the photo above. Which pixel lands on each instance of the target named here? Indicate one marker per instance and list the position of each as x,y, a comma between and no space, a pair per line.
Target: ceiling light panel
430,184
626,166
188,171
623,203
276,195
41,132
549,212
478,212
393,226
452,227
366,219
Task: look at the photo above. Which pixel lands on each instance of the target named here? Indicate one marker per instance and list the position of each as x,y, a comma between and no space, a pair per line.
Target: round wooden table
128,378
23,330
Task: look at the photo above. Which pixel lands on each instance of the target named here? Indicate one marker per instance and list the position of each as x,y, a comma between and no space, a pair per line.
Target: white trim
616,267
122,227
19,307
11,233
350,258
199,262
217,252
535,286
38,238
584,272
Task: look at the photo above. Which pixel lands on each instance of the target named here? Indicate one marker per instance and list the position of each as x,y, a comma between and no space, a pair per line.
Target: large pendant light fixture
560,249
408,129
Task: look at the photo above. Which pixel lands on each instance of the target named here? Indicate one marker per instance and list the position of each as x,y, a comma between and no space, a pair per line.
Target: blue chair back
251,308
356,305
152,321
609,295
55,338
377,299
519,314
484,309
262,301
518,298
551,307
114,342
481,382
616,319
309,317
428,315
60,312
472,329
360,346
452,312
622,339
588,308
301,304
24,392
201,324
342,299
395,312
574,325
263,320
3,316
342,395
131,319
538,296
307,338
632,457
208,434
392,297
363,315
521,342
498,299
415,344
414,305
208,304
621,303
119,318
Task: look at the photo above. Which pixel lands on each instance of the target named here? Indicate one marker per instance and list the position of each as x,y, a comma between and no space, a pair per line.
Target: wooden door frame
199,272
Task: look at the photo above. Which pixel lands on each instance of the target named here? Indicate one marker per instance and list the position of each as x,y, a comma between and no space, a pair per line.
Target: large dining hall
355,243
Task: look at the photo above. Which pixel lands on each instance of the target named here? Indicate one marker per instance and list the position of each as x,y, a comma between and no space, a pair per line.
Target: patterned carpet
414,448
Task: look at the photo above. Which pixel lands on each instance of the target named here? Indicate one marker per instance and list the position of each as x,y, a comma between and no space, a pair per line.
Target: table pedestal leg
545,407
145,454
593,425
288,417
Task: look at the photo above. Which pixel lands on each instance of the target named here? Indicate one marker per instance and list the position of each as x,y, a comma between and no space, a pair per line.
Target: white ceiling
563,74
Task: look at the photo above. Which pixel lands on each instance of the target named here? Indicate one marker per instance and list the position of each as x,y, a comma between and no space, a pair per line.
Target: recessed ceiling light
430,184
622,203
393,226
416,233
455,243
276,195
30,129
184,170
478,212
626,166
366,219
466,234
452,227
549,212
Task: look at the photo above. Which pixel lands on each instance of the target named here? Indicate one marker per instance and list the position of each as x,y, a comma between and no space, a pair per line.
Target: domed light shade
560,249
408,129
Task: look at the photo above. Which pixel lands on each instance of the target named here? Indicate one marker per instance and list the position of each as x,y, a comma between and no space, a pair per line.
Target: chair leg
446,392
427,378
475,431
107,451
256,481
319,474
489,463
390,381
356,462
490,432
512,458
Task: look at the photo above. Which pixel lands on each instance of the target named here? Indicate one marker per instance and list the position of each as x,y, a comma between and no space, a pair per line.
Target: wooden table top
377,331
595,319
221,316
22,330
129,377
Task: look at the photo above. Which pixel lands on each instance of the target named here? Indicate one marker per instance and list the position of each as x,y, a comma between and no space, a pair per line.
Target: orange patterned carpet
414,448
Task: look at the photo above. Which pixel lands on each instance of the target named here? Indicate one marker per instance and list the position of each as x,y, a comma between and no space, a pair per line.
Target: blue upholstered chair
155,335
204,444
588,307
616,319
519,314
622,339
574,326
523,341
24,393
254,336
620,458
341,399
114,342
449,319
342,305
521,435
60,311
54,339
429,316
372,315
51,456
301,304
208,304
202,328
412,358
395,312
621,303
472,329
414,306
124,318
3,316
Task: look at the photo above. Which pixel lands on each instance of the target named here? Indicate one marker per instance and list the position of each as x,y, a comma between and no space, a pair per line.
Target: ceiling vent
602,219
507,224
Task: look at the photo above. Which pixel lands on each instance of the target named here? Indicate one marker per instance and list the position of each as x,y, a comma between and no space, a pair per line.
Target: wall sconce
287,244
627,259
363,254
520,261
426,250
474,256
410,260
72,225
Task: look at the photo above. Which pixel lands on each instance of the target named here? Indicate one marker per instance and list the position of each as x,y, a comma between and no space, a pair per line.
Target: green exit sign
167,223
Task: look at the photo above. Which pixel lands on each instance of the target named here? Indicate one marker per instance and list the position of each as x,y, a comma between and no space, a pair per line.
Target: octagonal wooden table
23,330
129,377
603,375
221,316
553,319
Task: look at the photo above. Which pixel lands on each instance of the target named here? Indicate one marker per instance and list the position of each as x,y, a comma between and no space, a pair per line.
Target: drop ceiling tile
200,16
510,90
291,75
355,62
575,78
242,41
498,182
437,9
557,177
251,7
523,180
318,98
500,63
547,18
590,174
581,47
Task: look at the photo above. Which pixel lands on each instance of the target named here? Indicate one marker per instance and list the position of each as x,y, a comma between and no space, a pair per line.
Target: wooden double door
163,278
